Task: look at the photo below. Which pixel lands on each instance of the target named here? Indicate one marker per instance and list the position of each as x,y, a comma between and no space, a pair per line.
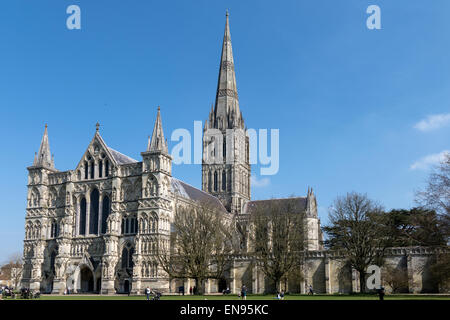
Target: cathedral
96,228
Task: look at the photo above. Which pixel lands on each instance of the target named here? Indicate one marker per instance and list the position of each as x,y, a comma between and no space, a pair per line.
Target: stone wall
328,272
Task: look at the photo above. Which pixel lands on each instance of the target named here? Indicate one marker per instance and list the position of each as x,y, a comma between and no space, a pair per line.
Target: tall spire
227,101
158,143
44,157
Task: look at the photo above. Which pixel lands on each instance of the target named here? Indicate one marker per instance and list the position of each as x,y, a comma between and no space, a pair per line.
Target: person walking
282,295
244,292
381,293
311,292
147,293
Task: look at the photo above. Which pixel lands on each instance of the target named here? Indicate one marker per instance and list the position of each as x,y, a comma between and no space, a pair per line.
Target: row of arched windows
149,269
148,225
129,225
35,198
33,230
94,214
152,224
89,169
164,224
148,247
213,181
53,199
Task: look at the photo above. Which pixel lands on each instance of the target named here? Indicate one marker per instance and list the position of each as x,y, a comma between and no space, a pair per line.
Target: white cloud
264,182
432,122
427,161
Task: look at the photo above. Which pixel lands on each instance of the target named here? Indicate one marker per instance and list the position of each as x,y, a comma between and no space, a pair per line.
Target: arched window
215,180
86,170
54,230
92,169
105,212
52,261
82,229
127,226
100,168
106,167
224,180
127,257
209,181
124,257
224,148
93,214
132,226
130,258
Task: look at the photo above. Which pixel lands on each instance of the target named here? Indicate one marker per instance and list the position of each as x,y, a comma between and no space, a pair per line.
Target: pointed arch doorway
126,286
87,280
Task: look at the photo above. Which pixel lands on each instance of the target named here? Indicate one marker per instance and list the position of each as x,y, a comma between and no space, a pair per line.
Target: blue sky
348,101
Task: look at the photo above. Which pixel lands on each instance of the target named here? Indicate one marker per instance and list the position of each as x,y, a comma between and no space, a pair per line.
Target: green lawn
249,297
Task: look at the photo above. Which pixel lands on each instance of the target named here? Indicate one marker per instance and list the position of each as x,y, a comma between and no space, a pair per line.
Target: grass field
249,297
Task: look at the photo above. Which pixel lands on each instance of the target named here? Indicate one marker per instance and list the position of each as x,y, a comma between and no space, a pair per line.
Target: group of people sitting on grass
7,292
280,295
25,293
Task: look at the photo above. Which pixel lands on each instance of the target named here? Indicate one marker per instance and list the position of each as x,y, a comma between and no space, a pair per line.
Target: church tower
37,222
225,166
154,211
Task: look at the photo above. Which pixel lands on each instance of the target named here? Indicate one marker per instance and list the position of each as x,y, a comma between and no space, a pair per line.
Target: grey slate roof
298,204
120,157
187,191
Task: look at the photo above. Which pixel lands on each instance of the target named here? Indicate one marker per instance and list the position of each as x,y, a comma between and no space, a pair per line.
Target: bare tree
277,237
201,244
436,195
396,278
440,269
356,227
12,269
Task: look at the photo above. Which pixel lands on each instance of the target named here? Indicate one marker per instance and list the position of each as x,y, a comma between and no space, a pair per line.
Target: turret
157,163
44,158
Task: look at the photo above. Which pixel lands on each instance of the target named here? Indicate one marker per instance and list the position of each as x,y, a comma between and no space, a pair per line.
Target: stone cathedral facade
96,228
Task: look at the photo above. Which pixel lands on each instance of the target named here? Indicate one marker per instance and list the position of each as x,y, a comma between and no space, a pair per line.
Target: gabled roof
187,191
297,204
115,156
120,157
